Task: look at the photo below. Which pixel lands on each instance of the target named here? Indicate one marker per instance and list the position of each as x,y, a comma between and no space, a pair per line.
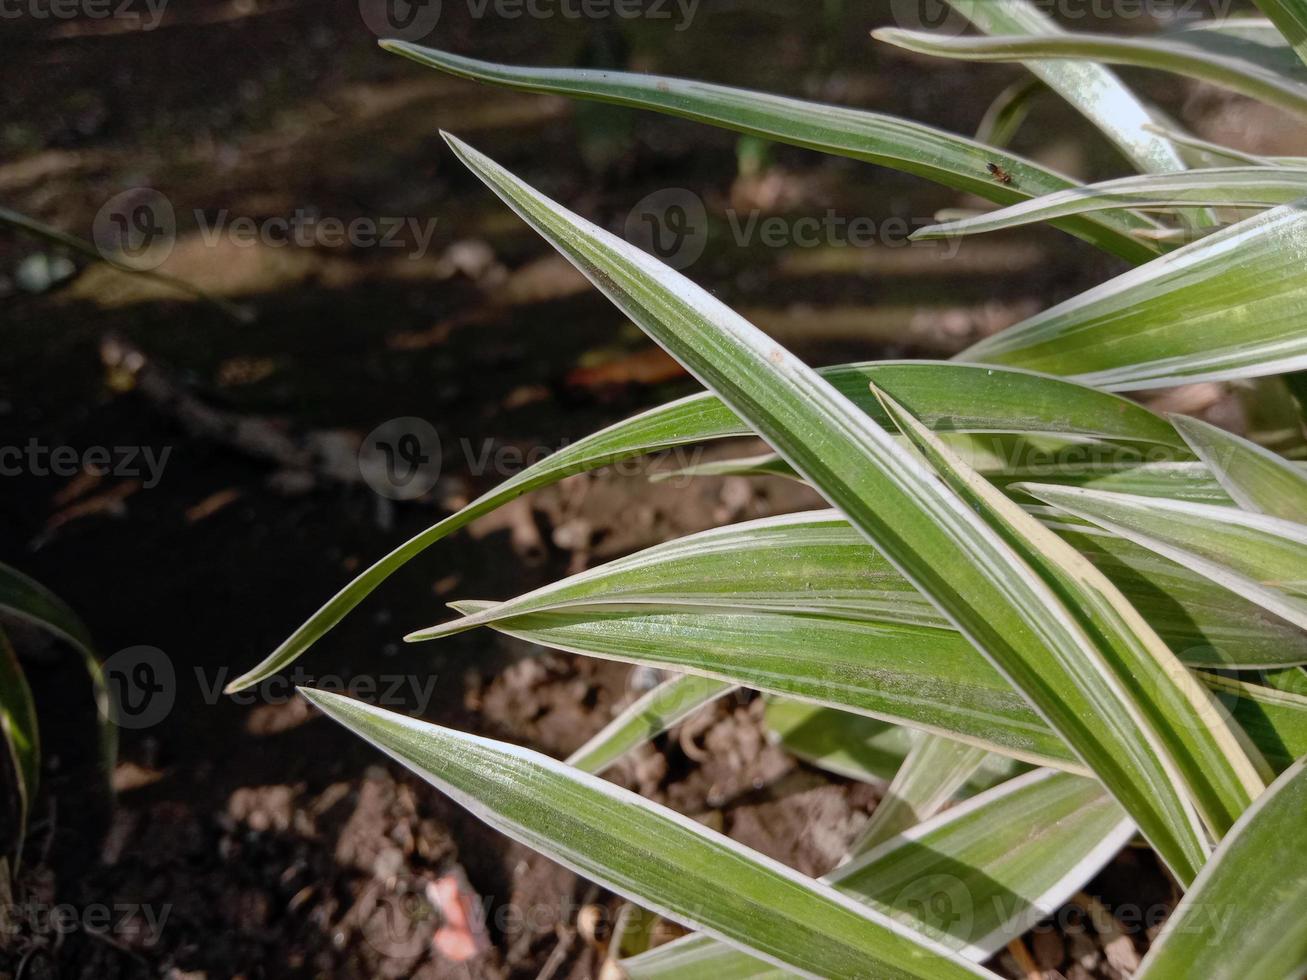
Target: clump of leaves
1085,651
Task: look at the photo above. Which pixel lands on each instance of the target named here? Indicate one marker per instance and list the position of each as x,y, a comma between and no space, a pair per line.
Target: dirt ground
247,837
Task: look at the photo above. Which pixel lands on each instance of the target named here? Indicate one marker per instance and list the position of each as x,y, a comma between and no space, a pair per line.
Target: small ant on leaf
998,173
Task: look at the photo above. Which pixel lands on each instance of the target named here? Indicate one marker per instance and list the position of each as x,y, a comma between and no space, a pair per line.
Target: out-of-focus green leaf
1243,918
22,597
652,855
1008,111
1258,479
860,747
934,770
1290,16
1227,186
976,876
1092,89
1231,305
952,397
1263,559
647,717
1173,53
944,158
19,727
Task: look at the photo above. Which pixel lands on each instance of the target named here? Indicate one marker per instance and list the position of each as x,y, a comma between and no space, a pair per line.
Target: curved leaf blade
1263,559
1258,479
1231,305
950,553
953,397
21,733
1221,778
1164,52
975,874
652,855
1091,88
647,717
947,159
1223,186
1243,917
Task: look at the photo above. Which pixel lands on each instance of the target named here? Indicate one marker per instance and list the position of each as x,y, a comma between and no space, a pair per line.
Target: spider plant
1087,653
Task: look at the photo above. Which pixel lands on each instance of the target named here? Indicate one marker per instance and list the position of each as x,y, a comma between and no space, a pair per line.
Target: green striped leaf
1231,305
1226,186
1092,89
977,876
1290,16
863,748
647,717
1263,559
944,158
1258,479
933,771
980,580
1221,777
1243,920
1183,53
816,563
951,397
652,855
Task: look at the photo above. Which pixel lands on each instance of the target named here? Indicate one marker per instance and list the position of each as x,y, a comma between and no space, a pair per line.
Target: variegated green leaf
863,748
652,855
1222,778
934,770
1263,559
648,716
982,581
951,397
976,876
1091,88
1231,305
1290,16
1183,53
816,563
944,158
1225,186
1243,918
1258,479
